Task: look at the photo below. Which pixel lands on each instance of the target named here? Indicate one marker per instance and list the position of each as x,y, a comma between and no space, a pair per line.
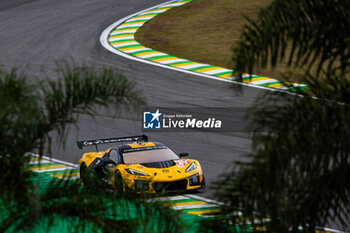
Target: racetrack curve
36,33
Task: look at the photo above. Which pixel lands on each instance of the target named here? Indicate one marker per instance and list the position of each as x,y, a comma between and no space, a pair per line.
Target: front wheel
118,182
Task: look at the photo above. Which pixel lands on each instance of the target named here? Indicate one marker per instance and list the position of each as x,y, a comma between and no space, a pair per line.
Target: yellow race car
135,164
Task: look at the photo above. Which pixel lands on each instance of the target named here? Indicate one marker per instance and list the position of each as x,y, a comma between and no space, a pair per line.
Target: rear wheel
83,174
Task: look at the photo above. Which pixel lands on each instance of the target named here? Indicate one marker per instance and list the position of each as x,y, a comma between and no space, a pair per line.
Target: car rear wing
96,142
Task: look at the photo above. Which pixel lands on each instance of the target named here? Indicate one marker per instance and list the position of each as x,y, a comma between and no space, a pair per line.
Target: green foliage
63,201
18,117
298,174
331,84
77,209
217,225
316,31
29,113
80,90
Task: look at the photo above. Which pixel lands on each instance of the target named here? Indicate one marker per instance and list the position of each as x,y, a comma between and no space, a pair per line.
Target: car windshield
149,156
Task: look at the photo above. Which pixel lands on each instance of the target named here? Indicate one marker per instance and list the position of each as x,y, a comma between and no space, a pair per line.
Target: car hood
165,170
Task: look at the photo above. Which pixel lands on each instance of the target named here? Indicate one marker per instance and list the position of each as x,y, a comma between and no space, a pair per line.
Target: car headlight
136,173
191,167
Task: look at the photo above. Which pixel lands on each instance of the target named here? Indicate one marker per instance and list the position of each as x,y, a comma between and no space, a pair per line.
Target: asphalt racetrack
37,33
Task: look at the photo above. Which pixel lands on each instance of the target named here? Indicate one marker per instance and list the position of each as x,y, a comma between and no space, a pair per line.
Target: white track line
68,177
331,230
184,207
264,81
170,198
203,199
38,162
121,38
54,160
53,169
131,25
104,41
136,50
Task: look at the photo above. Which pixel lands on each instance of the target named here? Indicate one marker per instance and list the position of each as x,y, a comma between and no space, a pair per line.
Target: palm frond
299,170
316,31
28,114
79,90
66,203
19,114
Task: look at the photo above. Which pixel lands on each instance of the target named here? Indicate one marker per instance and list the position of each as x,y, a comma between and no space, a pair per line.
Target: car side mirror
183,154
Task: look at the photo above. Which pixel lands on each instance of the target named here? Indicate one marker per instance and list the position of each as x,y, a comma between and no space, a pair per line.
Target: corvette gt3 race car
135,164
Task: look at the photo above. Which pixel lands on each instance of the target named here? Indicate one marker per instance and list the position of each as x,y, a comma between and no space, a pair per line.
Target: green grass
203,31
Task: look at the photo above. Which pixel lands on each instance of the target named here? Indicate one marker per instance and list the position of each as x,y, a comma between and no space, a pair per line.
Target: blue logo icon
151,120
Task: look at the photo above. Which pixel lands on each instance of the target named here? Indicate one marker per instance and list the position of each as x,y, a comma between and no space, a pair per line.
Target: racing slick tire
83,174
119,184
203,183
